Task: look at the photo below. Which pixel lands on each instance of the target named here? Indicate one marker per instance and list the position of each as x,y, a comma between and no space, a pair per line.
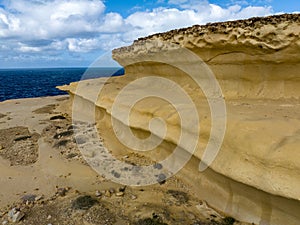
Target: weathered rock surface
255,176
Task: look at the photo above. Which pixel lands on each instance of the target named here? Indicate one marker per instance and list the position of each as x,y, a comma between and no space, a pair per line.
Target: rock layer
255,58
255,176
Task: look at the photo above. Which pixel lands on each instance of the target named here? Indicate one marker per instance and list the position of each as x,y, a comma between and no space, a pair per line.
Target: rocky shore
46,180
254,175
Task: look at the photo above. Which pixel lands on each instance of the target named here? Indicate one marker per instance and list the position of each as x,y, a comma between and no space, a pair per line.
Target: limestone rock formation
242,76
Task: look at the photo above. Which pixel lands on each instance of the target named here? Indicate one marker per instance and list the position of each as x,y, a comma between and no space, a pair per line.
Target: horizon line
61,67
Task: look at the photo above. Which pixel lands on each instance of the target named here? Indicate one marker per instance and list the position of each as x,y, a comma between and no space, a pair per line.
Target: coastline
249,67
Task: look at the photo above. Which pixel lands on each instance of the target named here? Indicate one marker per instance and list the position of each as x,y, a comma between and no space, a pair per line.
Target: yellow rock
255,176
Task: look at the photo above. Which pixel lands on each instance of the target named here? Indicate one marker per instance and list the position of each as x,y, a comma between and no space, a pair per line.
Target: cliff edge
254,58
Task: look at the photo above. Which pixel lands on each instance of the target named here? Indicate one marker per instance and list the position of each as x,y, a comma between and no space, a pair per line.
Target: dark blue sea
29,83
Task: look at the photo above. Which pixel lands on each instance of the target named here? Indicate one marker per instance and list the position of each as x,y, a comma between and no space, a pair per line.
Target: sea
40,82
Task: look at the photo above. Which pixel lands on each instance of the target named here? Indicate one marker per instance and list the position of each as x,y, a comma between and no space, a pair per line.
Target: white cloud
163,19
112,23
82,45
39,47
48,19
82,26
24,48
158,20
251,11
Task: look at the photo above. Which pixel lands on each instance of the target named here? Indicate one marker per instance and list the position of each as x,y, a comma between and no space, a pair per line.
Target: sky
74,33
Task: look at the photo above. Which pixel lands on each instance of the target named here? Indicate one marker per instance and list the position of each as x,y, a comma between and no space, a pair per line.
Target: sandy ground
45,180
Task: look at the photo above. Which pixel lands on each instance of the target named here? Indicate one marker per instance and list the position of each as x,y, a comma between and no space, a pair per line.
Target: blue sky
58,33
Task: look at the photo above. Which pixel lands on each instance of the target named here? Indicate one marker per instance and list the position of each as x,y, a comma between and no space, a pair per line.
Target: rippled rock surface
253,169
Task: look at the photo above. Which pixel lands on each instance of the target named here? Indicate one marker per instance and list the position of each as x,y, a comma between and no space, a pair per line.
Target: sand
49,181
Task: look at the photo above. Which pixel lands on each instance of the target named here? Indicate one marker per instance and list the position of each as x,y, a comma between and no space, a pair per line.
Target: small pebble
15,215
98,194
112,190
107,194
158,166
61,191
122,189
37,198
120,194
161,178
133,197
117,175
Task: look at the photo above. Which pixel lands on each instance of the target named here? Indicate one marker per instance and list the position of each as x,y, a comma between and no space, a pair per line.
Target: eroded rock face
255,58
256,63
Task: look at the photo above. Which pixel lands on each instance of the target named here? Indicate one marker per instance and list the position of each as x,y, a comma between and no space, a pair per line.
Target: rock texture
255,176
267,48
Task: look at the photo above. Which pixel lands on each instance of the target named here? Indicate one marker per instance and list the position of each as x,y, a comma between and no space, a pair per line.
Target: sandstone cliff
255,174
267,49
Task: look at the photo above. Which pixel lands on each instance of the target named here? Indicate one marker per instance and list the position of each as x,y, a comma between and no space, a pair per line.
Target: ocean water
29,83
